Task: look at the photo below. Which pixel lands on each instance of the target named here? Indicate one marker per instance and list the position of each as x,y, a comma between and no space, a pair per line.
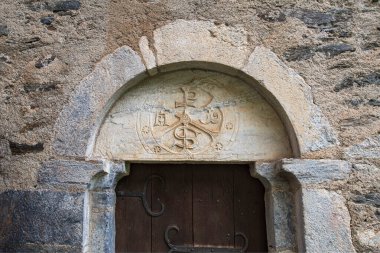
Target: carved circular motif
157,149
145,130
218,146
188,120
229,126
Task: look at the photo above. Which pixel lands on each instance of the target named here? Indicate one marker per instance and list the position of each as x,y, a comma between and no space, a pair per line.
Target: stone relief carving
191,125
192,115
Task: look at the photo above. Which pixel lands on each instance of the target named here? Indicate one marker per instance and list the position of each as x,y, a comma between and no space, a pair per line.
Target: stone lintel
314,172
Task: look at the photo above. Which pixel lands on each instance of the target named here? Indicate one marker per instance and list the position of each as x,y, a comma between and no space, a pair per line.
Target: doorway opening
190,208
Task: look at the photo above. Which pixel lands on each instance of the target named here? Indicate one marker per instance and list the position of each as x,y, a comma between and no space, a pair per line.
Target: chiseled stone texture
369,148
326,222
31,219
185,41
92,96
311,172
66,172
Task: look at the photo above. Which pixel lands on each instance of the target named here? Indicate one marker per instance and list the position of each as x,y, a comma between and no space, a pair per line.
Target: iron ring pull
189,249
142,196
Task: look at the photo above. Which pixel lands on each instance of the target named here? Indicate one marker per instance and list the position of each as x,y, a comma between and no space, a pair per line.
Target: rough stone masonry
48,46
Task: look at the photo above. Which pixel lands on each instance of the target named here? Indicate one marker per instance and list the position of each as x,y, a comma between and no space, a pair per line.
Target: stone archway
292,186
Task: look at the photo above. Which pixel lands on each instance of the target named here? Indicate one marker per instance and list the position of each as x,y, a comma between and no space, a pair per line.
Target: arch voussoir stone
96,92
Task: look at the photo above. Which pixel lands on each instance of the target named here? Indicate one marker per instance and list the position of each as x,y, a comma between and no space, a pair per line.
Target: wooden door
201,208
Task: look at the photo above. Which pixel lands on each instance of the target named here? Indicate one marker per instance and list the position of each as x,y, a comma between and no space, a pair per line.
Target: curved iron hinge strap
142,196
190,249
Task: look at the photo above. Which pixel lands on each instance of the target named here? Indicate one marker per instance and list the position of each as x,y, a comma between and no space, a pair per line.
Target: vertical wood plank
213,205
133,225
177,197
249,209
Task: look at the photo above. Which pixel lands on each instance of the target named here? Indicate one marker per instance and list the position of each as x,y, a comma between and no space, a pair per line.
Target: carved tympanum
192,115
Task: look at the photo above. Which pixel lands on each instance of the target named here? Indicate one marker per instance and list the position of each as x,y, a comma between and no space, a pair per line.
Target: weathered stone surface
4,31
360,121
332,21
372,198
148,56
309,172
92,97
40,87
272,15
369,148
283,219
326,222
299,53
43,62
280,209
294,95
192,115
68,172
40,217
99,220
47,20
112,173
5,58
66,5
335,49
4,148
183,41
306,52
374,102
369,239
313,18
371,45
361,80
22,148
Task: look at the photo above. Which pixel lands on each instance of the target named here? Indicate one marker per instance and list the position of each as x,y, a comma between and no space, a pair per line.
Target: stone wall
47,47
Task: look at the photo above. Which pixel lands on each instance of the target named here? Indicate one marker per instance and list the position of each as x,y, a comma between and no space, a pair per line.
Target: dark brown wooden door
208,204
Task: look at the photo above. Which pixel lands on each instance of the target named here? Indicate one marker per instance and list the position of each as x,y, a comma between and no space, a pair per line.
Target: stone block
359,80
4,30
309,172
94,95
202,41
283,221
4,148
326,222
288,90
335,49
40,217
148,56
68,172
370,239
66,5
369,148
